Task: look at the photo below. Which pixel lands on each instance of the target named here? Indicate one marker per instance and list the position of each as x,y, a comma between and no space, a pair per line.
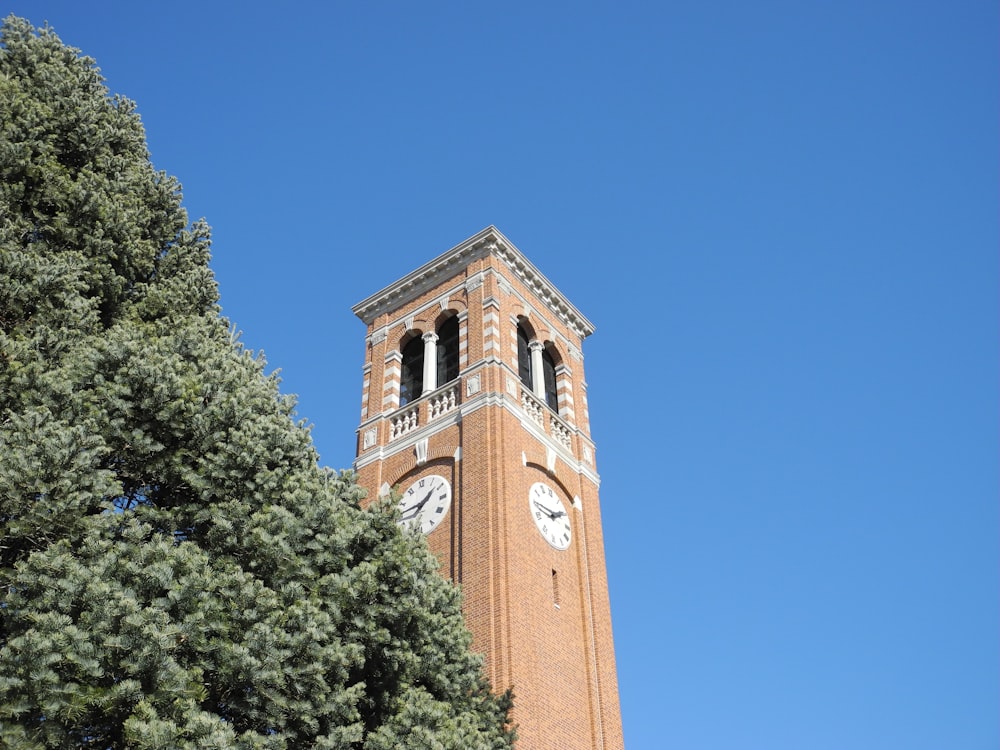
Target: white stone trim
474,282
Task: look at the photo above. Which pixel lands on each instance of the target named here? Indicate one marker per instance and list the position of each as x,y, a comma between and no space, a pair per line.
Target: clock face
550,515
425,503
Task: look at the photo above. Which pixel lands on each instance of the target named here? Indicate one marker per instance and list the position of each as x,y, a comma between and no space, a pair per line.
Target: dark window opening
411,379
523,356
447,351
549,372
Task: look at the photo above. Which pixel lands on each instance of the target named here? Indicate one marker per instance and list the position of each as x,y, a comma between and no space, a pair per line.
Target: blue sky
781,217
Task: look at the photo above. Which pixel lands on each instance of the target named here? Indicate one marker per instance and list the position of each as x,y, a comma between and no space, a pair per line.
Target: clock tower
474,406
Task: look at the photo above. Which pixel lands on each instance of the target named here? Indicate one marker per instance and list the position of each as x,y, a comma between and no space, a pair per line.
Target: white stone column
537,373
430,361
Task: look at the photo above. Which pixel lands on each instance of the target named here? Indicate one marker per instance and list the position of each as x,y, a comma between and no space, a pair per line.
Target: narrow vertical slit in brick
555,588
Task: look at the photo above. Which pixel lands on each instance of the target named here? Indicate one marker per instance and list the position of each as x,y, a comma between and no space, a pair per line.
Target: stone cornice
487,242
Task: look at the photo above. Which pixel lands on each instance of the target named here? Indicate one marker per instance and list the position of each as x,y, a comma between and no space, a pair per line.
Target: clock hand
410,513
546,511
415,510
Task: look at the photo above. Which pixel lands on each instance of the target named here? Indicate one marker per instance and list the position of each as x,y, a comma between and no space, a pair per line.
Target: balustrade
559,431
532,407
442,402
445,400
536,409
437,404
404,422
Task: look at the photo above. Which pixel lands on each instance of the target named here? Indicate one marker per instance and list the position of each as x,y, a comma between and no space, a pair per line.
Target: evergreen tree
175,569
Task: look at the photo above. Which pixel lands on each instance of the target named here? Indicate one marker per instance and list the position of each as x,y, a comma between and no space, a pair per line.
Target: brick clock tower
474,408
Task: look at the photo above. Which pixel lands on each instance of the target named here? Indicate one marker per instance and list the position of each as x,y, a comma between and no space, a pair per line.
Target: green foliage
175,569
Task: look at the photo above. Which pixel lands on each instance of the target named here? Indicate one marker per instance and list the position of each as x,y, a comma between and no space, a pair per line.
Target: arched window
447,351
549,373
523,356
411,379
537,373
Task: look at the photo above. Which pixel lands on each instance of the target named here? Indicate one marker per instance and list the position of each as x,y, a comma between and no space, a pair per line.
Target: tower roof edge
489,241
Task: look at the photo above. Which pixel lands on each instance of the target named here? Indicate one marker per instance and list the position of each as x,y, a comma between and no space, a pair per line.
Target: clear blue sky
781,217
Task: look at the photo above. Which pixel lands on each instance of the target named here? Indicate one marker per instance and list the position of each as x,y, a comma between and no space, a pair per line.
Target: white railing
537,410
403,422
532,407
442,402
559,431
438,403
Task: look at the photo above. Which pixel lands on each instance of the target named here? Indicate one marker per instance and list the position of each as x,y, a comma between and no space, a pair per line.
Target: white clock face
425,503
550,515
